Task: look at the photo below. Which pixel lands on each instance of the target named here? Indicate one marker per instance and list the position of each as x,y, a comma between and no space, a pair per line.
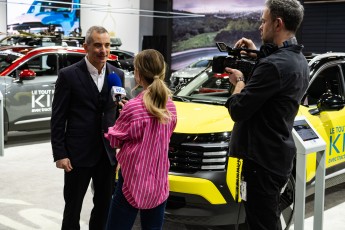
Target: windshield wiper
180,98
212,102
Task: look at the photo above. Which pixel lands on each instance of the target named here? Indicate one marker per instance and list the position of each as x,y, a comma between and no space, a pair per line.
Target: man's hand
64,164
236,78
248,44
234,75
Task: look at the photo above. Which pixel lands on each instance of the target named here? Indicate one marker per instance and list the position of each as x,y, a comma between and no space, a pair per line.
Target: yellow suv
204,179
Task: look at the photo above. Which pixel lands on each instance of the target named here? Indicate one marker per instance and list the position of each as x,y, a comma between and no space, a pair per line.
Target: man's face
267,27
98,50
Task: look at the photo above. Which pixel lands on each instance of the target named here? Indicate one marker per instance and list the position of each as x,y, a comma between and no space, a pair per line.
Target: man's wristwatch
240,79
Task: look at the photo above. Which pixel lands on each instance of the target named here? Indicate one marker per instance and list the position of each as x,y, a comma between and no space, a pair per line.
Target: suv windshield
208,87
7,57
201,63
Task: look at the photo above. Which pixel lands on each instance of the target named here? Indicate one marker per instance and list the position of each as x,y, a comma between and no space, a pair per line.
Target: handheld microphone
115,87
117,93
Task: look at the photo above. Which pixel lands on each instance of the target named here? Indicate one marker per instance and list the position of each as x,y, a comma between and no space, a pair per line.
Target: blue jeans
122,215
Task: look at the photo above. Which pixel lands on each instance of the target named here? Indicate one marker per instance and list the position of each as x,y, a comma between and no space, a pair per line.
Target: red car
27,84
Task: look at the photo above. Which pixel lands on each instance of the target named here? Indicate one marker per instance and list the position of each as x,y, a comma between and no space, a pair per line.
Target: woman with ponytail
142,132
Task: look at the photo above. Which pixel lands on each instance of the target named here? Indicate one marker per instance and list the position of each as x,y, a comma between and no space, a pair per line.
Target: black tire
5,134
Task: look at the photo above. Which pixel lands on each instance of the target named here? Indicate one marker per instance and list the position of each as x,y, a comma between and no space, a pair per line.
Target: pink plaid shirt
143,155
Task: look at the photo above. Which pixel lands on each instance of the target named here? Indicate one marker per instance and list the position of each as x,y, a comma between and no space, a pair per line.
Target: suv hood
190,120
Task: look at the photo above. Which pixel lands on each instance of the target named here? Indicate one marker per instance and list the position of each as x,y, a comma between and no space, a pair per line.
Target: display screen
36,16
221,46
195,37
304,130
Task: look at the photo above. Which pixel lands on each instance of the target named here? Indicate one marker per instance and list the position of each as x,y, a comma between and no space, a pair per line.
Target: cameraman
264,107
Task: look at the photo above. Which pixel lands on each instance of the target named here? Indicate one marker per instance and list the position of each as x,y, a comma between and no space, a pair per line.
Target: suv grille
198,152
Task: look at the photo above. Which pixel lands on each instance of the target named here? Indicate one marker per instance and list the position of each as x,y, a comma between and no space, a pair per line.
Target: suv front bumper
199,201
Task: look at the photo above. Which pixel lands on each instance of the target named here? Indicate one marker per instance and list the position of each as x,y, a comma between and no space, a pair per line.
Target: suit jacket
81,115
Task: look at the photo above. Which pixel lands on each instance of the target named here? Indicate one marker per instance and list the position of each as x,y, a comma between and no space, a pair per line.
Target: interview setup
173,114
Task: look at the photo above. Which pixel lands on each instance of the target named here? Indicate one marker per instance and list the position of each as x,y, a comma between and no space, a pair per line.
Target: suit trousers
76,185
263,190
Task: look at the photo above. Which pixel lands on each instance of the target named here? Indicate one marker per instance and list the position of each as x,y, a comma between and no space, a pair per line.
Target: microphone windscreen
114,80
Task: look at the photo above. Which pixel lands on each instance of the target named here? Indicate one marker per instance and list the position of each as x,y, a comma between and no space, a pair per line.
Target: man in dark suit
83,109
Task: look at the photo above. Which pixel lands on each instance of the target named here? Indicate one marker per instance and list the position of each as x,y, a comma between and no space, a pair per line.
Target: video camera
234,60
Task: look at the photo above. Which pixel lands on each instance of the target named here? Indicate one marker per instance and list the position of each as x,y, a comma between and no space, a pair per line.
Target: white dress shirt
97,78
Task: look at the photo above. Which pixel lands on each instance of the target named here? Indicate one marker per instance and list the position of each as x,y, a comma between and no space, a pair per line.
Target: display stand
307,141
1,125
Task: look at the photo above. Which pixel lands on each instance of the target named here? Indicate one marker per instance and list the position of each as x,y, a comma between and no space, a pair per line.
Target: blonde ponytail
151,67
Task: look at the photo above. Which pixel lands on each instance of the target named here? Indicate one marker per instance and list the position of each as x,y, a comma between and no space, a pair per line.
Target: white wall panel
117,18
2,18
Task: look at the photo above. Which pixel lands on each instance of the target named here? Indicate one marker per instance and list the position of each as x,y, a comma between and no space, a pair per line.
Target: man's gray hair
98,29
290,11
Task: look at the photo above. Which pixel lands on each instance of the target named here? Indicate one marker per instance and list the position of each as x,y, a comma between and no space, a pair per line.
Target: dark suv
125,58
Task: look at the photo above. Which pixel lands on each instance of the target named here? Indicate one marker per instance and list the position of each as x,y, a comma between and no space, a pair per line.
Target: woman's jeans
122,215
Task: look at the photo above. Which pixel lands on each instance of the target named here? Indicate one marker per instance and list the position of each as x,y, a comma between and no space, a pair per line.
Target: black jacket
81,115
265,109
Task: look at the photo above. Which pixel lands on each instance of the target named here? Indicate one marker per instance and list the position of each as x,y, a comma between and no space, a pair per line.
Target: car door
330,124
29,102
71,58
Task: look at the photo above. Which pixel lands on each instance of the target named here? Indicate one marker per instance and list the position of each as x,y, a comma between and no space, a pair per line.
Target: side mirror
330,102
27,74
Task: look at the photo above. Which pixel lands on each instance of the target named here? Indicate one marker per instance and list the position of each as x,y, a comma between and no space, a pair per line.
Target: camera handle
236,52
